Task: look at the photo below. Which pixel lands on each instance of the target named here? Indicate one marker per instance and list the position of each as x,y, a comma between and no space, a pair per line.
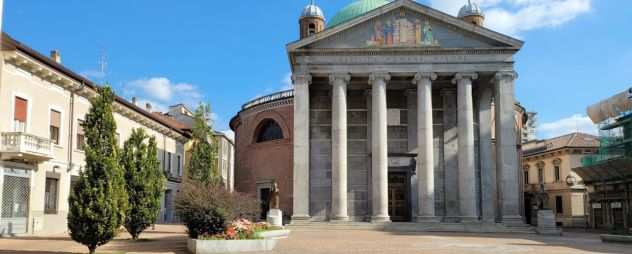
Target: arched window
312,29
269,130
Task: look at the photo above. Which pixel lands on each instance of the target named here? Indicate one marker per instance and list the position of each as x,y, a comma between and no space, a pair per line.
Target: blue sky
577,52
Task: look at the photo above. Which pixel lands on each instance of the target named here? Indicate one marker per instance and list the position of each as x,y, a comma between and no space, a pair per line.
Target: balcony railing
268,98
26,146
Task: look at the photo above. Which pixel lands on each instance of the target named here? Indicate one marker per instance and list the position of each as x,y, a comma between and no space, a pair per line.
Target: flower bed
240,236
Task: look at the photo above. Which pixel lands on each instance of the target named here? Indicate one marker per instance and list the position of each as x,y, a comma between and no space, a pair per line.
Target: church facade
395,105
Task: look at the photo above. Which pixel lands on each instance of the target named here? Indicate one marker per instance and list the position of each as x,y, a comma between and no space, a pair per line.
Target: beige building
41,151
548,164
181,116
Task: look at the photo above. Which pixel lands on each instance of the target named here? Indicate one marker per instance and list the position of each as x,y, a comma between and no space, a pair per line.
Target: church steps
414,227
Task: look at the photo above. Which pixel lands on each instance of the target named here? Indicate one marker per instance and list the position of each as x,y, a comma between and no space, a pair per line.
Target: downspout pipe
72,124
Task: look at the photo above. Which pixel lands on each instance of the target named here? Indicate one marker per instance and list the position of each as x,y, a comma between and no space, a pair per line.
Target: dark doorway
398,196
527,208
264,194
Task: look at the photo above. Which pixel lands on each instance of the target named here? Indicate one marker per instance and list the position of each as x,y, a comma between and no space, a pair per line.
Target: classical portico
394,122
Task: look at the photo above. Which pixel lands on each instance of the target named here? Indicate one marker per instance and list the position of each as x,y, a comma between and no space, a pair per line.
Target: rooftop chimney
56,56
148,107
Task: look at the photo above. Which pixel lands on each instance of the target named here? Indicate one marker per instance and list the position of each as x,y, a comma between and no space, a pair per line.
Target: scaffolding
615,136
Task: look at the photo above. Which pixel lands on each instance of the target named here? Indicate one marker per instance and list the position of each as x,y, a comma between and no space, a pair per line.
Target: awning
619,169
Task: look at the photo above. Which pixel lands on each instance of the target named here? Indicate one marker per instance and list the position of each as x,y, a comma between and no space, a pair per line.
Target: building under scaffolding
608,174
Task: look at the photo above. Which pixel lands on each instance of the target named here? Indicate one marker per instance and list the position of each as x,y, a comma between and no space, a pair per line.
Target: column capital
424,75
505,76
345,77
384,76
301,78
464,76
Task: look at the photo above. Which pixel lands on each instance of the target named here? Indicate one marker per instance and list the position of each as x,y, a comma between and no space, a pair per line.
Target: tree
144,182
203,164
98,201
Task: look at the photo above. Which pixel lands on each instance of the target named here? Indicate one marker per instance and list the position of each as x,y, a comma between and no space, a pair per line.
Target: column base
428,219
380,219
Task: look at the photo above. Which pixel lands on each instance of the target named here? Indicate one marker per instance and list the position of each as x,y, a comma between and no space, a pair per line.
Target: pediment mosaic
404,28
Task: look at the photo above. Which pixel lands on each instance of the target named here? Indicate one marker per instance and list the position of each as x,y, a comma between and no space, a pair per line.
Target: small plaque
596,206
399,162
615,205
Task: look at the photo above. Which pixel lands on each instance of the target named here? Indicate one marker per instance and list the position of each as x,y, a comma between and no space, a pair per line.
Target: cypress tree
98,201
203,164
144,181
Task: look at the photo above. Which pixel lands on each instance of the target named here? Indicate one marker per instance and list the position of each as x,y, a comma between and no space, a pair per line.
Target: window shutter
20,109
55,118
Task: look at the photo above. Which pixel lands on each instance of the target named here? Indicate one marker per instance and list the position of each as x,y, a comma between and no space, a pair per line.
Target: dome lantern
312,20
472,13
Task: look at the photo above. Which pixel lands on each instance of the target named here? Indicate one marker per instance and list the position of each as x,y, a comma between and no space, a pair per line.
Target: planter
616,239
274,234
196,246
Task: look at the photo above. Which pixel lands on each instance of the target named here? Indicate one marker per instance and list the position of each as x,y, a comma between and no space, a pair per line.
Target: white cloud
574,123
516,16
287,82
161,91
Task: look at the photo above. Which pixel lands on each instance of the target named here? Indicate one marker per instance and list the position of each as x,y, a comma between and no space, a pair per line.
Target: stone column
506,153
379,147
339,147
467,176
488,171
301,147
425,148
450,154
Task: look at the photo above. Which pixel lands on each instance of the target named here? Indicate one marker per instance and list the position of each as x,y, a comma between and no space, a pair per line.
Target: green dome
354,10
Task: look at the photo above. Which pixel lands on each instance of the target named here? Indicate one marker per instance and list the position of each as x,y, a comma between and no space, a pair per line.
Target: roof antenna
103,64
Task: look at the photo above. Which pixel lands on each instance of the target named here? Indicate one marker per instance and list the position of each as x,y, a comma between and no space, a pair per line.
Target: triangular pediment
406,24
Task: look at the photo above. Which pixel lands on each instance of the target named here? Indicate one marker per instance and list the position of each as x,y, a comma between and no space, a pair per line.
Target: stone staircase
471,227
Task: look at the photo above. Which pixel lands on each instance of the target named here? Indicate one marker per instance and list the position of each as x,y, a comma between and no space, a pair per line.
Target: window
312,29
269,131
559,205
557,173
50,196
179,165
73,181
540,175
55,126
169,161
19,114
526,177
81,142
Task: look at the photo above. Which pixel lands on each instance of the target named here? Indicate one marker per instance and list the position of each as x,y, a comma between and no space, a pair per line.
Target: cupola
472,13
312,20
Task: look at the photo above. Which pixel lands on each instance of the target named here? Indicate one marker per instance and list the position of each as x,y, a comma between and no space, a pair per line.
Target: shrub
206,209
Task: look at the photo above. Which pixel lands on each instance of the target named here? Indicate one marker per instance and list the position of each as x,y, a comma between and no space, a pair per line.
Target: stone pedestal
275,217
546,223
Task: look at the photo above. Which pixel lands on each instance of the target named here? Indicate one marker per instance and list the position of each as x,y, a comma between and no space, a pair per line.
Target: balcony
23,146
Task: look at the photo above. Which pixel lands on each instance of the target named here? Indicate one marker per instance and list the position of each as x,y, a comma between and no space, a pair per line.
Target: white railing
268,98
20,142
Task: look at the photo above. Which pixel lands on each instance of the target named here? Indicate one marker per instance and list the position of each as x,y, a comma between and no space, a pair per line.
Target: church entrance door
398,200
